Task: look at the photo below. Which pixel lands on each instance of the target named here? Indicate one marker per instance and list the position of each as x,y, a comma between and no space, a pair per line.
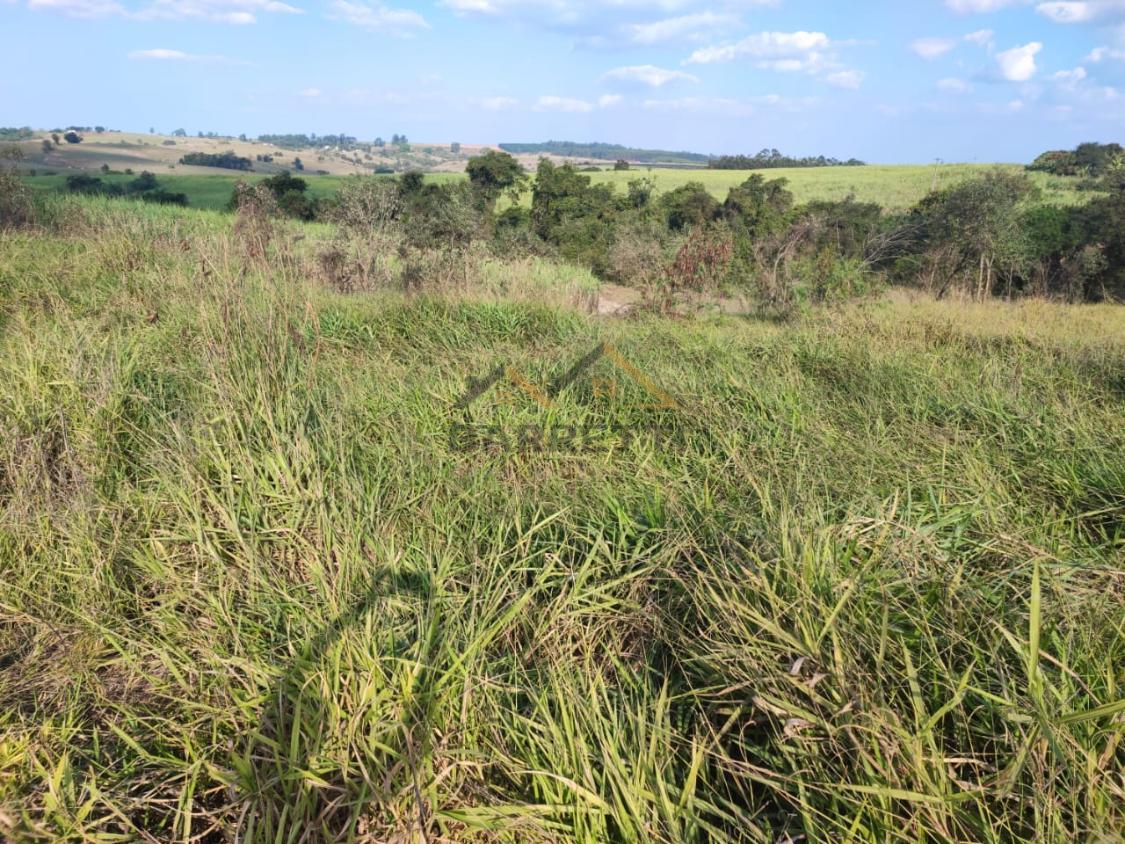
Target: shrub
255,205
494,174
689,205
640,255
969,233
226,160
16,206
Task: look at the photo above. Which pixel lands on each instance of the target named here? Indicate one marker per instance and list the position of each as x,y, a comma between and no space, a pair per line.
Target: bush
689,205
226,160
255,206
72,138
16,206
163,197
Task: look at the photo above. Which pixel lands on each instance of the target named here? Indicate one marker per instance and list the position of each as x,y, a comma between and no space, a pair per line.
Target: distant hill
607,152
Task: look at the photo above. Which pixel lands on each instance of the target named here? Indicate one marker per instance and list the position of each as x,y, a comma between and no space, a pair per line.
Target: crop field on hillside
454,558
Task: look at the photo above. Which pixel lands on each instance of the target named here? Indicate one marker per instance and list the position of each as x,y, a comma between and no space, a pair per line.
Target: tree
757,206
47,145
972,230
689,205
491,175
144,182
99,129
297,163
621,164
455,148
72,137
180,133
574,215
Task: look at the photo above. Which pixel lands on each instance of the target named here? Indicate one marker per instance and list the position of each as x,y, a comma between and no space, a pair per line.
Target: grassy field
862,580
895,187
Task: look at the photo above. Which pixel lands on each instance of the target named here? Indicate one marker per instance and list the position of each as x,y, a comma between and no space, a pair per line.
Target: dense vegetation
14,133
607,152
144,187
769,159
1090,159
861,581
986,236
301,141
226,160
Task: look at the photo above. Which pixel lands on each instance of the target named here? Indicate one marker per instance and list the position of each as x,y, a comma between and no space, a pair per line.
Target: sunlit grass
866,584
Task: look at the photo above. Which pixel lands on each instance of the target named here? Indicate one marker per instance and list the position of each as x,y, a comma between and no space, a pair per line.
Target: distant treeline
303,141
770,158
227,160
1090,159
607,152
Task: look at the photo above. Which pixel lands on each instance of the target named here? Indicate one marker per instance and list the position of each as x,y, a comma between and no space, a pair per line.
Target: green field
895,187
860,580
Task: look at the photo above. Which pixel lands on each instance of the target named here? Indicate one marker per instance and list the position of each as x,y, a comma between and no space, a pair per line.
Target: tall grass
864,584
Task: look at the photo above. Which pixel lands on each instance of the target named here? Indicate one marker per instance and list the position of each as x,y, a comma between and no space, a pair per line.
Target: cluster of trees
607,152
14,133
300,141
1090,159
771,158
145,187
988,236
227,160
289,193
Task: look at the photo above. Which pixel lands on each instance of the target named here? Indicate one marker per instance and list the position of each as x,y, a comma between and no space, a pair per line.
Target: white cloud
966,7
1018,64
217,11
563,104
647,74
849,79
690,27
1070,79
1100,54
786,52
1083,11
954,86
79,8
765,45
609,100
932,48
983,37
310,93
378,18
161,54
499,103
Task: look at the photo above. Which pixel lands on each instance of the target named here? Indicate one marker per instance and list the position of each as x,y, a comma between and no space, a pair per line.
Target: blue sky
906,81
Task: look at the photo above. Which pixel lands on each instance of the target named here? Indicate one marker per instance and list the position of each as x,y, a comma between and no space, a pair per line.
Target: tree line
771,158
992,235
